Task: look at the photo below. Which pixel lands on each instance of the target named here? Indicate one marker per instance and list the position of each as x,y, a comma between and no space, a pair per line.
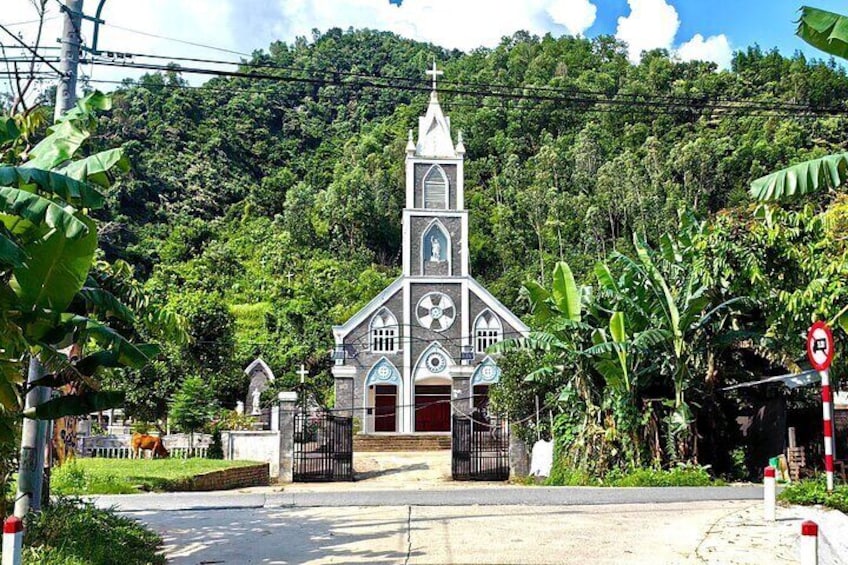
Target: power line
176,40
657,98
573,100
30,49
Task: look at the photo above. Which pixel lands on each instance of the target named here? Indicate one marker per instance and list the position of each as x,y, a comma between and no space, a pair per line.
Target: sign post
820,353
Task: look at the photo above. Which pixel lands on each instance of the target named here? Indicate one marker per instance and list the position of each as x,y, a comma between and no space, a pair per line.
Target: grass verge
815,492
130,476
681,476
73,532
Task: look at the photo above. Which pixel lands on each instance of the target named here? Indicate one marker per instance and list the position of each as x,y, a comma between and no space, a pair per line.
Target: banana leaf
74,191
57,268
98,168
39,210
76,405
565,293
824,30
819,174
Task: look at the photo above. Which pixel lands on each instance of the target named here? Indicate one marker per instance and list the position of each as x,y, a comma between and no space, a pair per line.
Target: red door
385,408
432,408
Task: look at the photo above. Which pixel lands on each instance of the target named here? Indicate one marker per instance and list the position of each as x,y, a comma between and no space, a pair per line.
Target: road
612,533
480,496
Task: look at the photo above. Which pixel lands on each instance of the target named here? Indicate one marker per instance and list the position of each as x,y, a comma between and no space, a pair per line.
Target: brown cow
142,442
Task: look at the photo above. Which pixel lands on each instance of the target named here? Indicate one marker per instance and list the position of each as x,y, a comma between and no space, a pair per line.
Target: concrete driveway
615,533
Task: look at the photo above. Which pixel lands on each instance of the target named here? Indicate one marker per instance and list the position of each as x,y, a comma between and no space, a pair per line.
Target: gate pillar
461,402
519,457
343,381
286,410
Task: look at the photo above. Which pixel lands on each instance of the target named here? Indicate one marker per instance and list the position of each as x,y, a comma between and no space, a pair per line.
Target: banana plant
49,299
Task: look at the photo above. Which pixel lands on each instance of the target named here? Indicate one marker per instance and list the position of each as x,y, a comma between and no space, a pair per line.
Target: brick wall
237,477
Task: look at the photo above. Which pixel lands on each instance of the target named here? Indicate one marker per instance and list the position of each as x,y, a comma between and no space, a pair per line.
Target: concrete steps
401,442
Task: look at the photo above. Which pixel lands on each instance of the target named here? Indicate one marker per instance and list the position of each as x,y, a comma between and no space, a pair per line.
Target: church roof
434,135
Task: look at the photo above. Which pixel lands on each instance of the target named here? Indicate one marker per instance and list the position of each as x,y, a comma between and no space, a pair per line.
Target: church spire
434,136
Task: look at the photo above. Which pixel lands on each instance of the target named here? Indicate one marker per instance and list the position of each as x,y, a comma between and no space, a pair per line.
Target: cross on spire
435,73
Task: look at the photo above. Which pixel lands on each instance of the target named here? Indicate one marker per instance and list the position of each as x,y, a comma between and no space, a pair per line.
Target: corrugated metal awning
790,380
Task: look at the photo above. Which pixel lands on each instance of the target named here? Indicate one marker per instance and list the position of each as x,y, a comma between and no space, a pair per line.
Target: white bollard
769,495
809,543
13,540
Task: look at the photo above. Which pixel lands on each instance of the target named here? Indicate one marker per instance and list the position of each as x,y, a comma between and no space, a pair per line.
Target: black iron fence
323,447
480,448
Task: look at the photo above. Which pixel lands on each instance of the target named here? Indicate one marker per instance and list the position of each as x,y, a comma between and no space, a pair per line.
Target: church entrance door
385,408
432,408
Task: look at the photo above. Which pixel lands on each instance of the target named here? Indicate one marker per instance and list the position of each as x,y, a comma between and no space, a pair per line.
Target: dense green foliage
276,205
815,492
129,476
73,532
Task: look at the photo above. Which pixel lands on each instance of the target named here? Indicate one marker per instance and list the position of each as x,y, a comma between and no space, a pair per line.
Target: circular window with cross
436,311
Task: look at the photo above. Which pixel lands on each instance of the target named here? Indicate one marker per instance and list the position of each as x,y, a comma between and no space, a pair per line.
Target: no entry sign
820,346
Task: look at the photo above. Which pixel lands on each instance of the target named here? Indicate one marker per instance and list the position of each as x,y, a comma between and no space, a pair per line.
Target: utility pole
35,432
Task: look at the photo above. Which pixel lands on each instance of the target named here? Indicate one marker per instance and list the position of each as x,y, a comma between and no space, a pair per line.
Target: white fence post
809,543
13,540
769,510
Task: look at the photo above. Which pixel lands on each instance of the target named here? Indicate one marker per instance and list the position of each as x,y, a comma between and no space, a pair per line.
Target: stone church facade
417,351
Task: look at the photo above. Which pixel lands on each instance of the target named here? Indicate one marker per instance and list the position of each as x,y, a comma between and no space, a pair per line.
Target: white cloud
651,24
715,48
575,15
464,24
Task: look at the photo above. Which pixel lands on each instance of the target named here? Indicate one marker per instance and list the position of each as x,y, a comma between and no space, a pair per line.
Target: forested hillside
268,210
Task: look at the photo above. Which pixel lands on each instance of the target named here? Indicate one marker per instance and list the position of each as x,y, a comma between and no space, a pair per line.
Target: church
418,351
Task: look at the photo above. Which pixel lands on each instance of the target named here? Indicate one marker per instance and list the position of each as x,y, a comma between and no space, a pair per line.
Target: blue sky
689,29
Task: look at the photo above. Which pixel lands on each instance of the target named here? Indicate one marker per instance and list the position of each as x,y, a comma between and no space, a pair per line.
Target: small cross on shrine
303,373
435,73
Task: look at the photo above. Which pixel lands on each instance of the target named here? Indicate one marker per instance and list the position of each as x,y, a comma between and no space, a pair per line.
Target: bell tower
435,222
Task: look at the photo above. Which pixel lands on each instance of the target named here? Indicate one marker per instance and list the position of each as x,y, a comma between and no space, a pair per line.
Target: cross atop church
435,73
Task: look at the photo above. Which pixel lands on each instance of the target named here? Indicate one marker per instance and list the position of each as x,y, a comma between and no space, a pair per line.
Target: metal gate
323,447
480,448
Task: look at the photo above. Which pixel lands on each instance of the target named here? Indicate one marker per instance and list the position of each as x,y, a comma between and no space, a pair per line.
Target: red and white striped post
13,540
820,348
769,495
809,543
827,403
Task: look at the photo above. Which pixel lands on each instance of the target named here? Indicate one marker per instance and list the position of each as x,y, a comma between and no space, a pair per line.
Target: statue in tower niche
435,249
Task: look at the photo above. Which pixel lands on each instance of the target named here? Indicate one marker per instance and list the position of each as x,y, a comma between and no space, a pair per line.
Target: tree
193,406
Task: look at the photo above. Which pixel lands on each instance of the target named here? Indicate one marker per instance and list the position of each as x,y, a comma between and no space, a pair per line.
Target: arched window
384,332
435,188
487,331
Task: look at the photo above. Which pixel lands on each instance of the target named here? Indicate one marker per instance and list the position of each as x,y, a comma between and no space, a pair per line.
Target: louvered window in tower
435,188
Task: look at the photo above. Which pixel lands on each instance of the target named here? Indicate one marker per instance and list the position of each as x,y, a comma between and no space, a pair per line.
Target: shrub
815,492
680,476
72,532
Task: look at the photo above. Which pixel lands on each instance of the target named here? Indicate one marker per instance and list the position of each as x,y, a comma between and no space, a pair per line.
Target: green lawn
129,476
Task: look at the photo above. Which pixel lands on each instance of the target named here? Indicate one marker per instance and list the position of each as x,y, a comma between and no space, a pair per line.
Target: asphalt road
498,496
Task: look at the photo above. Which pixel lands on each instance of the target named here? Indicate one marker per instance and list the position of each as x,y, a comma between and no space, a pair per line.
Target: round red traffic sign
820,346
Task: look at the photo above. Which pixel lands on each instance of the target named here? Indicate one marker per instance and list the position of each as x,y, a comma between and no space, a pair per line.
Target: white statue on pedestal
255,407
435,249
239,407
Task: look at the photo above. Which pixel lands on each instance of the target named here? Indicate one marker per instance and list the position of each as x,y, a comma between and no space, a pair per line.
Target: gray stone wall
360,339
420,170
